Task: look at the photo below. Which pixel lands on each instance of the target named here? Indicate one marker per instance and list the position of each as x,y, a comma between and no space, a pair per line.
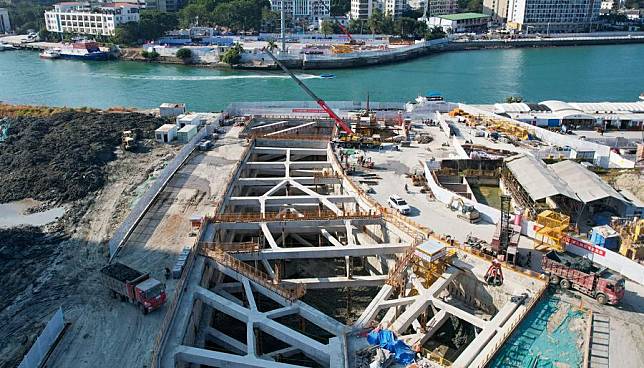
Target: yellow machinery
632,234
554,227
341,49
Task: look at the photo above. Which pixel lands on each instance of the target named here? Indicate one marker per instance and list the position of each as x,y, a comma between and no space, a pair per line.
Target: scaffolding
292,216
554,226
253,274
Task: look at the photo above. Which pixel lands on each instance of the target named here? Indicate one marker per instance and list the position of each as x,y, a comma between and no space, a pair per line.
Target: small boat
7,47
327,76
50,54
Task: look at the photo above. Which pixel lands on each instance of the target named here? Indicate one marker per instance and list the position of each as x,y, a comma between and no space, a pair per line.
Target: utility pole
282,26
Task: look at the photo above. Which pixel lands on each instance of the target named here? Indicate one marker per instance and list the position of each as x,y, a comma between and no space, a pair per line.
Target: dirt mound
62,157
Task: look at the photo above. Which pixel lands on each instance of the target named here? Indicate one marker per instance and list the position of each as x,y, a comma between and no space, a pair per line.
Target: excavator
467,211
346,137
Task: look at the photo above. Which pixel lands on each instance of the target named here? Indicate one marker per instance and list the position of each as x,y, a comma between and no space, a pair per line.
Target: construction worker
406,190
166,273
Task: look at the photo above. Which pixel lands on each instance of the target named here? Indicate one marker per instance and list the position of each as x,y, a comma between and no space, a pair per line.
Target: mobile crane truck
136,287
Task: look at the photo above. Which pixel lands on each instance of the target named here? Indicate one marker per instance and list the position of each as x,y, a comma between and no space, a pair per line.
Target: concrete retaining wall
488,213
39,350
121,234
612,260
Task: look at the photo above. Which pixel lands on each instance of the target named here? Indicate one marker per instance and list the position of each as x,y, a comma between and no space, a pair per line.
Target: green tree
232,56
340,7
327,27
152,25
270,21
240,15
26,15
150,55
356,26
375,21
435,33
184,54
272,45
471,5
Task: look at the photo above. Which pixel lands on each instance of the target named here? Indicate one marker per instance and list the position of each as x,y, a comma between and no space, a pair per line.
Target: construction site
297,234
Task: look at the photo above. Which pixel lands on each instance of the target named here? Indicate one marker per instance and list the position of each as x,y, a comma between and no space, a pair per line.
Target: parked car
398,204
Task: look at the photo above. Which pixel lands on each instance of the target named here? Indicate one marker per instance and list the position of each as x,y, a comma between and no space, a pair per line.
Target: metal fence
145,202
39,350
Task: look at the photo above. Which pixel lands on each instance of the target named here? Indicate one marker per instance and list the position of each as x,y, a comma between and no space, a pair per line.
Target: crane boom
342,28
338,121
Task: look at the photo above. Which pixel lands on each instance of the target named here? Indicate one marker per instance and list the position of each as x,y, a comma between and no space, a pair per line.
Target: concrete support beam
331,238
268,268
268,236
278,225
336,282
292,129
249,295
292,199
281,312
209,358
372,309
324,252
304,180
226,341
301,151
476,321
222,304
260,165
300,239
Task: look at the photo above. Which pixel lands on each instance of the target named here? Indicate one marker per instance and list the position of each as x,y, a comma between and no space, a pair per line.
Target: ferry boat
83,50
50,54
7,47
429,103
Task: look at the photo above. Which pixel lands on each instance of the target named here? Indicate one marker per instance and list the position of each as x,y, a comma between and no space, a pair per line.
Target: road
105,332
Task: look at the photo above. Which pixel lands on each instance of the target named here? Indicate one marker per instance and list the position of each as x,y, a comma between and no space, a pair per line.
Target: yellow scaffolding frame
554,227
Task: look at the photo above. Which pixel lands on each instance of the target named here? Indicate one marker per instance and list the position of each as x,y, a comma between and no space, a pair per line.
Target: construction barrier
289,216
41,348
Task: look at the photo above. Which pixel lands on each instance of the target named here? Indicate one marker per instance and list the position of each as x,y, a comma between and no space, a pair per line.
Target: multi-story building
393,8
363,9
81,18
552,16
497,9
5,25
440,7
312,10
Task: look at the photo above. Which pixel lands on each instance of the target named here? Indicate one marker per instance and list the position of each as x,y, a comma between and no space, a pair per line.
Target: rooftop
537,180
463,16
588,185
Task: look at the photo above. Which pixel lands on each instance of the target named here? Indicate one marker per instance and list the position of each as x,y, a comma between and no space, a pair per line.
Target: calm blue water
594,73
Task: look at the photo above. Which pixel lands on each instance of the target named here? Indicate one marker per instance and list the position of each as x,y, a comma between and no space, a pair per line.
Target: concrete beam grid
331,354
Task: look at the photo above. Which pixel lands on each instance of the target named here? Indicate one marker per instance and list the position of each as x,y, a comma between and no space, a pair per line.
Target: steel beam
324,252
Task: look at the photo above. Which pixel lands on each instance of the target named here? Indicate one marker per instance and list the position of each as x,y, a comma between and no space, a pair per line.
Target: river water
591,73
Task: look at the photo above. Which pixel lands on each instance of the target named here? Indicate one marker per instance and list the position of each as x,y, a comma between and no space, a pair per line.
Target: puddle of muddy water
15,214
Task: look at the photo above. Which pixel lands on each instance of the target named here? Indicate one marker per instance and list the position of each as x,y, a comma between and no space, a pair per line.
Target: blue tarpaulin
387,340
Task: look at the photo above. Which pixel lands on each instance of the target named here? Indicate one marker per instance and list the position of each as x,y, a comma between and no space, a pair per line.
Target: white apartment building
552,16
81,18
5,25
363,9
497,9
312,10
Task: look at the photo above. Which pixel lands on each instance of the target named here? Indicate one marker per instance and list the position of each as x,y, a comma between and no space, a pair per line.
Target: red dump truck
572,271
136,287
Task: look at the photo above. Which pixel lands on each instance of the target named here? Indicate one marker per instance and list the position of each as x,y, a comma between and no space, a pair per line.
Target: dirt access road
68,276
109,333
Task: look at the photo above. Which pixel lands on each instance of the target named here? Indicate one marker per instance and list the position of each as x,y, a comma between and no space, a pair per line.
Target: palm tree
271,45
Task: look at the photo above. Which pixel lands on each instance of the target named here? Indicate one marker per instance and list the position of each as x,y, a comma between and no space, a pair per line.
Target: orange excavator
494,275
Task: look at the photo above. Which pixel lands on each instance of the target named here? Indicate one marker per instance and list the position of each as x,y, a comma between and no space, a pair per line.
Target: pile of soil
62,157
